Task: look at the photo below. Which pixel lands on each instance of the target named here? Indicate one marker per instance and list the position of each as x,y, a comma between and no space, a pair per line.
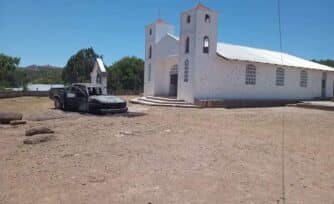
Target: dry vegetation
169,155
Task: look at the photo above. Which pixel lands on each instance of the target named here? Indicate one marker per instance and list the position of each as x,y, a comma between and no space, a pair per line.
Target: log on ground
38,130
6,117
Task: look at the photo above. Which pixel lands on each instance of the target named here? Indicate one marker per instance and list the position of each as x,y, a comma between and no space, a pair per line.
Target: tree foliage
79,66
8,66
126,74
327,62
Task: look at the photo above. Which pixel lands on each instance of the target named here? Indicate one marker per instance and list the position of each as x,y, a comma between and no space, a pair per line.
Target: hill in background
42,74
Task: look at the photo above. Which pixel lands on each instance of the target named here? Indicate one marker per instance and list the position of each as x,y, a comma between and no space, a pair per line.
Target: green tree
79,66
327,62
8,66
126,74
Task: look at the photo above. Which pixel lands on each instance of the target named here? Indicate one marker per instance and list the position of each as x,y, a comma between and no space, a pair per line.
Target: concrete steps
160,101
164,99
321,105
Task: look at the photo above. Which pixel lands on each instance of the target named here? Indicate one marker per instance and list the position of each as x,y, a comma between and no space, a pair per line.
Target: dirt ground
169,155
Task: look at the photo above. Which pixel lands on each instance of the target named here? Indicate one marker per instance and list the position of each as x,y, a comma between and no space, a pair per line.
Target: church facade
195,66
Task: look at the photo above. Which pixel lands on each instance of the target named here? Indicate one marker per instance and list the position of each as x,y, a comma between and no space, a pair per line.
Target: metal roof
248,54
101,65
173,36
256,55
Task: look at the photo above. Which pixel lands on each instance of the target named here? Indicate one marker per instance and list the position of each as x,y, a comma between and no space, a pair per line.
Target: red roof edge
161,21
200,6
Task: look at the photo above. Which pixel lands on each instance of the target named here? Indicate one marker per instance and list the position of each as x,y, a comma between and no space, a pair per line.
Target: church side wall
224,79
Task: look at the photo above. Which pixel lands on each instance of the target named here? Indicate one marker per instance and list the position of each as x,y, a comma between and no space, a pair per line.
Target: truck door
70,98
76,99
81,99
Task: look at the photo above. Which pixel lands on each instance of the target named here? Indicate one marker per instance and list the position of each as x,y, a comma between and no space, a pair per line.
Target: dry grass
25,104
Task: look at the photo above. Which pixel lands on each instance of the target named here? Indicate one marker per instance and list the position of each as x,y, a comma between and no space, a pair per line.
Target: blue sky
49,32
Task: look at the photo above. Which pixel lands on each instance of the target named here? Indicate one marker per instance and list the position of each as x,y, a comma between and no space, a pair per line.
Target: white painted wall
226,80
164,56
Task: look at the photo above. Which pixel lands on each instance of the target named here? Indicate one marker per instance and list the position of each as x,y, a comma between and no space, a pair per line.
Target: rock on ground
6,117
38,130
37,139
18,122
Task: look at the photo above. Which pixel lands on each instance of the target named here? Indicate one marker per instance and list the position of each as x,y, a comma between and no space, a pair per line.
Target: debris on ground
97,179
6,117
47,115
38,130
125,133
37,139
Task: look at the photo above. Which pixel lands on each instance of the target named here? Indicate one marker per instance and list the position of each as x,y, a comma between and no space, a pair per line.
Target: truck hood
105,99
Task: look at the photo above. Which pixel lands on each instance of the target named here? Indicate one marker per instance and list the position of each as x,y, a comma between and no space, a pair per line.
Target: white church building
195,66
99,75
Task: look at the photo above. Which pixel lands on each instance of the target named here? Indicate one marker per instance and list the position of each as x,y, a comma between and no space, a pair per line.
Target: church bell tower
198,48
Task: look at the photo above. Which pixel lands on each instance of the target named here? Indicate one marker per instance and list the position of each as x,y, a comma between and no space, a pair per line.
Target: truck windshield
94,91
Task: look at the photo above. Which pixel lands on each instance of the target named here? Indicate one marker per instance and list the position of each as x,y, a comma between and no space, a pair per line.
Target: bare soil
168,155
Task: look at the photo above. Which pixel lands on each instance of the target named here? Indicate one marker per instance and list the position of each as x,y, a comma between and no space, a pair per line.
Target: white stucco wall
224,79
161,64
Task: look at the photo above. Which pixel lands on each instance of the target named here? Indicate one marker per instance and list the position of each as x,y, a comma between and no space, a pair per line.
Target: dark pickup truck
86,98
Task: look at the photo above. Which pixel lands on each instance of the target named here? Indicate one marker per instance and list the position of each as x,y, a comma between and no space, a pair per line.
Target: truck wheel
58,104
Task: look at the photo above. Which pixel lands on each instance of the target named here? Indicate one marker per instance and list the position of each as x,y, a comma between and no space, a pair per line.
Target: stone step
164,99
143,102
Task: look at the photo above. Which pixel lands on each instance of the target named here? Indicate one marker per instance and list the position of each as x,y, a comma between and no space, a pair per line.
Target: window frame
280,76
206,45
303,78
187,45
150,52
207,18
250,74
188,19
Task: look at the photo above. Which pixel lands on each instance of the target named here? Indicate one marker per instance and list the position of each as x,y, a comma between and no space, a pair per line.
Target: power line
283,118
280,28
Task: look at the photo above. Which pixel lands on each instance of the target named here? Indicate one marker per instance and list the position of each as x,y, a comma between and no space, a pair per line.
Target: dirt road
169,155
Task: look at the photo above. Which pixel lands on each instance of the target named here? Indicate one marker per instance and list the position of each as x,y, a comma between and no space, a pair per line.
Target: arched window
280,77
186,71
187,48
206,44
150,52
150,31
250,75
188,19
207,18
303,78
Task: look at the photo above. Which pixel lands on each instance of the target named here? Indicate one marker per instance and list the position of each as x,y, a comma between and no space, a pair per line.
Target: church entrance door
173,81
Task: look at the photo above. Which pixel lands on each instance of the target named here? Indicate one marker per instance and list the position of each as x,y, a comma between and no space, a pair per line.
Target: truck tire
58,104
